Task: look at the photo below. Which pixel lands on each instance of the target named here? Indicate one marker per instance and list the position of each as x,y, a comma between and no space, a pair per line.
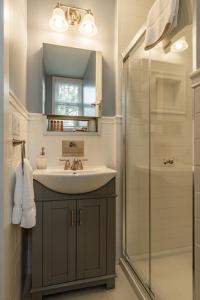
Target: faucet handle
67,163
80,165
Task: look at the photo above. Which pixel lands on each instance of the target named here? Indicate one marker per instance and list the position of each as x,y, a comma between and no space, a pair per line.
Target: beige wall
4,92
15,49
18,48
196,35
131,16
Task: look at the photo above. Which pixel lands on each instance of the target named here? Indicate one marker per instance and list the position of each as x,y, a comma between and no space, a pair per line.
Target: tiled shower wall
196,86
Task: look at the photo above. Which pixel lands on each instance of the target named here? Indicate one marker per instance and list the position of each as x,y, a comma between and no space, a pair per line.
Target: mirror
72,82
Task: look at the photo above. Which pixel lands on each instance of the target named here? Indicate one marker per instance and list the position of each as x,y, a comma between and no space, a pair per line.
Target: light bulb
88,26
58,22
180,45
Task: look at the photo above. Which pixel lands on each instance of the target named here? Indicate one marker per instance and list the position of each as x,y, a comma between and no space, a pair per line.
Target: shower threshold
173,286
134,280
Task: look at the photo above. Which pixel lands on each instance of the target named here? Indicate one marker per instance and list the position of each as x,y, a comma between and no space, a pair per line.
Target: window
89,99
67,96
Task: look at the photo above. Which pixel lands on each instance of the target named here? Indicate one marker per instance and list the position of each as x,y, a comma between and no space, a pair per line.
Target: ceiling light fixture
64,15
180,45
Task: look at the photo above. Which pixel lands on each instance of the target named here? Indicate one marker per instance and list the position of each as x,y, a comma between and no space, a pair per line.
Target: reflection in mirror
72,81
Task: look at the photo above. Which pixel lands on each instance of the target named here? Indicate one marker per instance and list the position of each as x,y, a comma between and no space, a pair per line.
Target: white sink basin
74,182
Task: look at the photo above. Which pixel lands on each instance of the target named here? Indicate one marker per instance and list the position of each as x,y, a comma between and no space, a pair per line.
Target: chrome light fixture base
73,16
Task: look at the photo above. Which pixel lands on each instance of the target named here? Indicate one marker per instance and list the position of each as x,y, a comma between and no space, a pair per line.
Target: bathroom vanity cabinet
73,243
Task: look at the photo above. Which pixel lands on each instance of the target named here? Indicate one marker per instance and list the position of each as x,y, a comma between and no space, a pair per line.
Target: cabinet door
59,242
91,238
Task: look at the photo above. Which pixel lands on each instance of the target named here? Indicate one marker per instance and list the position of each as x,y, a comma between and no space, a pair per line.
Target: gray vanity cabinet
73,243
91,238
59,242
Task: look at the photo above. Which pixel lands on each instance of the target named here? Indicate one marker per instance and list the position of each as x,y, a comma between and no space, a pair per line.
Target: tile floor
123,290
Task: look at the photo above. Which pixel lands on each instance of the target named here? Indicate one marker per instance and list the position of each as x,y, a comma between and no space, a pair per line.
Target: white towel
24,211
17,209
162,19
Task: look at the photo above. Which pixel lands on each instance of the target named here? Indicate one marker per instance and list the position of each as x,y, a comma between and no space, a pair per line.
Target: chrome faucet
77,164
74,165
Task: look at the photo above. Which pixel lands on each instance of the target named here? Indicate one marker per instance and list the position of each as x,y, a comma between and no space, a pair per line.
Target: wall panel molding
17,104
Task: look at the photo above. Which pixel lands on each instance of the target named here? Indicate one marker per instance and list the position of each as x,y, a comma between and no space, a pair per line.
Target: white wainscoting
14,233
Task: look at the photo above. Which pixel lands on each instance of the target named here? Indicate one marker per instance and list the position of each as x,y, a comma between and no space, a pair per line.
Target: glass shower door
137,245
159,168
171,172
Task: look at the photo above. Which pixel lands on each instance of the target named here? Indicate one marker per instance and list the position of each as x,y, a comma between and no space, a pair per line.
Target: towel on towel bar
162,19
24,210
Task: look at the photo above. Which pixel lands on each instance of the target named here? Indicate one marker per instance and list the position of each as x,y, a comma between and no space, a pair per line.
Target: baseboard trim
73,285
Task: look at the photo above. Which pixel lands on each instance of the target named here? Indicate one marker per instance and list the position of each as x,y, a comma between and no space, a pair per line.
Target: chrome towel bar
17,142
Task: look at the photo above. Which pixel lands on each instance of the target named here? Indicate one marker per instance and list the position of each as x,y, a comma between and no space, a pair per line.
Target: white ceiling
65,61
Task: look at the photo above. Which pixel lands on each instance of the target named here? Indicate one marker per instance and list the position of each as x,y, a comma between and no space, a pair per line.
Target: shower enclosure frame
144,292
